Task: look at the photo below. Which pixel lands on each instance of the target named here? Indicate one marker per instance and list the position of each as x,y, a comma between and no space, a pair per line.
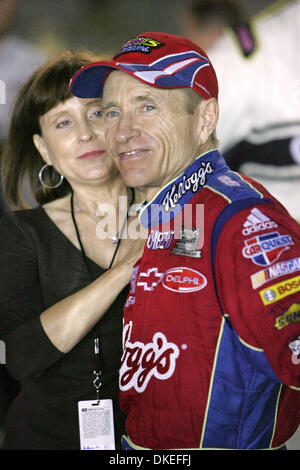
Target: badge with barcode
96,425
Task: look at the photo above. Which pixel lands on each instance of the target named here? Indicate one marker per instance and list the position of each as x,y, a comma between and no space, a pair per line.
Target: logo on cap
140,44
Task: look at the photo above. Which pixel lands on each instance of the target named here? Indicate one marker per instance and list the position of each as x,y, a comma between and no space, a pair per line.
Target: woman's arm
69,320
37,338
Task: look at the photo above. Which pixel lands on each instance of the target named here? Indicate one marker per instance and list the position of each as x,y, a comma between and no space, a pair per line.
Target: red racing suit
212,321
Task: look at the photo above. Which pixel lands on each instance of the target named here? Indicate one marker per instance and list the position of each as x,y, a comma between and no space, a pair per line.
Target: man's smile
132,154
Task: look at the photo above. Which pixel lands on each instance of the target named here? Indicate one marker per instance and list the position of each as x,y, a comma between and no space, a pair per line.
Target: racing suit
259,97
212,320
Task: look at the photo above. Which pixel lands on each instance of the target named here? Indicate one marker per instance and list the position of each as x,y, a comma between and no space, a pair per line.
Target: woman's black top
39,266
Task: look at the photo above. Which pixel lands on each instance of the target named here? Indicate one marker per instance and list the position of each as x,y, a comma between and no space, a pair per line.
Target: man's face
149,134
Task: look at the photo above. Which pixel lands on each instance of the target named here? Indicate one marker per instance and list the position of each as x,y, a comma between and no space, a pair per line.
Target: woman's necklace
114,236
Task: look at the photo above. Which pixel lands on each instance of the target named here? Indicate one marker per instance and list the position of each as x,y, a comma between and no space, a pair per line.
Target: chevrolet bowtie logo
150,279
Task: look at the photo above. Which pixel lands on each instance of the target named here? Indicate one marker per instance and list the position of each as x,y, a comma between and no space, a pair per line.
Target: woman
61,268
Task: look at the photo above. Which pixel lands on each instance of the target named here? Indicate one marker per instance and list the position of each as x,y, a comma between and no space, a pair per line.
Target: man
205,21
211,323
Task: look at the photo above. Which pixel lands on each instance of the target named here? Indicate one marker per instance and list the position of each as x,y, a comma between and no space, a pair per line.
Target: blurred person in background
205,21
18,59
63,284
258,68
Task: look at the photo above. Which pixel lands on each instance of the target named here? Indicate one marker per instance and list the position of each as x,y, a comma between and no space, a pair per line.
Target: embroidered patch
187,245
140,44
160,240
266,249
280,290
292,315
140,362
150,279
195,181
295,345
256,222
228,181
184,280
277,270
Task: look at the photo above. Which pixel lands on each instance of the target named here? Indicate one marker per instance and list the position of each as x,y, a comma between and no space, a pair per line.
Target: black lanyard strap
97,372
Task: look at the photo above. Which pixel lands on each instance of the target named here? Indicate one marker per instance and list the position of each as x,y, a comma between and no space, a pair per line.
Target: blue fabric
246,385
209,170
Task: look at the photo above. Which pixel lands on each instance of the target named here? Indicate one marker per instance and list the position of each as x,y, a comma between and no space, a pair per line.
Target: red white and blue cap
158,59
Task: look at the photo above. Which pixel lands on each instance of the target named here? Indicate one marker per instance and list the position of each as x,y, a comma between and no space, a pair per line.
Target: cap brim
88,81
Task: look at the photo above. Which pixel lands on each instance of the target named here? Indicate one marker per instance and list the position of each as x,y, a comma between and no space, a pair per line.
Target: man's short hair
191,101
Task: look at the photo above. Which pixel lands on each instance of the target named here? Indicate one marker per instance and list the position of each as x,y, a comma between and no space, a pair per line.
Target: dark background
102,25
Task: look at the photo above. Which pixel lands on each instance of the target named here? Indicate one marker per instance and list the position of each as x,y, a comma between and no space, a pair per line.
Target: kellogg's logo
142,361
184,280
195,181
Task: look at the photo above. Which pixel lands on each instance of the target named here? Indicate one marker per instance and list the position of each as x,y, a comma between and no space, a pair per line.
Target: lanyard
97,371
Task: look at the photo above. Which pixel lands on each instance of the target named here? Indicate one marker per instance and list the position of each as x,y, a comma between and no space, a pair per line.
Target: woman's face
72,140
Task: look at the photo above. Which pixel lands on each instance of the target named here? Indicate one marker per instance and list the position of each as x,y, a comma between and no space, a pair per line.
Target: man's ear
208,114
41,147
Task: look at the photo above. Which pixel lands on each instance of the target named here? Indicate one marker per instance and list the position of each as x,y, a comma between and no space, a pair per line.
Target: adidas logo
257,221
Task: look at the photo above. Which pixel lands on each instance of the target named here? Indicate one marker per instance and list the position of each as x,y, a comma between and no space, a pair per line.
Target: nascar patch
272,272
292,315
280,290
264,250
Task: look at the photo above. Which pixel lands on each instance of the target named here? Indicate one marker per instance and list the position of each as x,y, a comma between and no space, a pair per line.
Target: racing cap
160,60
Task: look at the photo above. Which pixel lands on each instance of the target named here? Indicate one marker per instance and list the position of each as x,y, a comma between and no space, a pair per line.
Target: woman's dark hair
47,87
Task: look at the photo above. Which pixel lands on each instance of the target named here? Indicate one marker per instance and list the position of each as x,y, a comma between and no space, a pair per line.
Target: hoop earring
46,185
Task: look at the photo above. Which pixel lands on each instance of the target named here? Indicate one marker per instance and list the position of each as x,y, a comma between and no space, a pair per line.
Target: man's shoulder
233,187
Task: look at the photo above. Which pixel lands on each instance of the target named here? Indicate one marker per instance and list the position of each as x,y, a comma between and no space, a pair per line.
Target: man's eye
111,114
97,114
63,124
149,107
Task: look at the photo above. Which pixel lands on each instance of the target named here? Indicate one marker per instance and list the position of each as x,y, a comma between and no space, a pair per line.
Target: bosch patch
280,290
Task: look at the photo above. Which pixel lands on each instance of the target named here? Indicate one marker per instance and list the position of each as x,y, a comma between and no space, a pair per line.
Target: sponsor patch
272,272
140,362
140,44
264,250
295,345
280,290
131,297
188,243
180,279
195,181
257,222
150,279
292,315
184,280
160,240
228,181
